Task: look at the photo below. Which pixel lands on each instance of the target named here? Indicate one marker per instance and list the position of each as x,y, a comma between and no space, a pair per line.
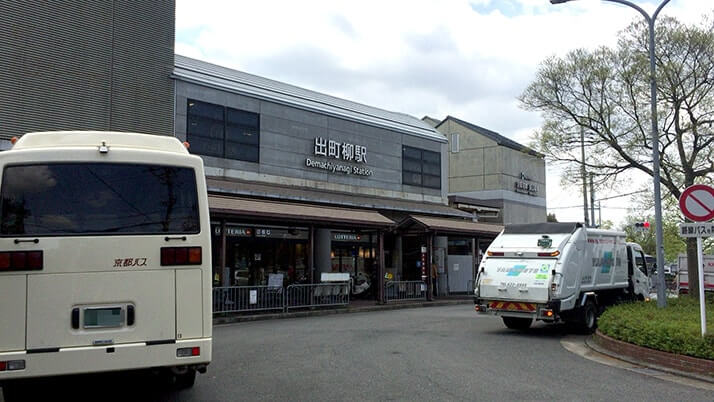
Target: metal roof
295,212
237,187
201,72
496,137
445,225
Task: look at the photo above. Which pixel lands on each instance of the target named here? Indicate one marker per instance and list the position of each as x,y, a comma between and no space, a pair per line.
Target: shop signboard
263,232
253,296
275,280
281,233
233,231
349,237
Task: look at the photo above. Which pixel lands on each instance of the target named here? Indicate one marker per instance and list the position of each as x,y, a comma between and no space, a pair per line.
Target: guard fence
405,290
238,299
470,286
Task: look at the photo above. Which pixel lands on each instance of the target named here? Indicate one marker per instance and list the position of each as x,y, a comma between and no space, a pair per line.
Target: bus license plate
105,317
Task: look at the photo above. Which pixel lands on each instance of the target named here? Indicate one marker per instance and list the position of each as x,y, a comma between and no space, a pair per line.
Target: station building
302,183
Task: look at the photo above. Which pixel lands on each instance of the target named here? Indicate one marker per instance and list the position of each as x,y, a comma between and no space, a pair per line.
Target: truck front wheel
517,322
588,319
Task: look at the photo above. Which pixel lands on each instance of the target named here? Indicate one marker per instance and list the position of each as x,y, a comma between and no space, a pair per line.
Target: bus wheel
13,391
517,322
182,379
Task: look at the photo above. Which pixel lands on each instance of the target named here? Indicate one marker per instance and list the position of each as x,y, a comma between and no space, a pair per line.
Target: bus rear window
98,198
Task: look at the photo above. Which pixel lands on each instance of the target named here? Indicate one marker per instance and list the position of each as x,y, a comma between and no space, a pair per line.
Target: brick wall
670,360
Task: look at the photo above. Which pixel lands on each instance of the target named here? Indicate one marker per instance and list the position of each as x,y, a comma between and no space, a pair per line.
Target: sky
468,59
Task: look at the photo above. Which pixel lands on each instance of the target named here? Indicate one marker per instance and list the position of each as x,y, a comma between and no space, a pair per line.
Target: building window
421,168
459,246
215,130
455,142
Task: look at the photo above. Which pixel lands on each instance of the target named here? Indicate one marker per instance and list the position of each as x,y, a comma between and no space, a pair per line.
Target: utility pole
592,200
582,173
599,213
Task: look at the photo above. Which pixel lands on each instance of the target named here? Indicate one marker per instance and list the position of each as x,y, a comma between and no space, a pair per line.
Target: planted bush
674,329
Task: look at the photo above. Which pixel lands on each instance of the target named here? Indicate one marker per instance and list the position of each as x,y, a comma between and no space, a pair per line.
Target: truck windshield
98,198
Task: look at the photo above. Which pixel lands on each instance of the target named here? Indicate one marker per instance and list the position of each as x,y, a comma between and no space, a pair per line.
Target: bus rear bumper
95,359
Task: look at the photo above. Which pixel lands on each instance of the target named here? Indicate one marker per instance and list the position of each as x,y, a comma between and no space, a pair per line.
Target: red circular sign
697,203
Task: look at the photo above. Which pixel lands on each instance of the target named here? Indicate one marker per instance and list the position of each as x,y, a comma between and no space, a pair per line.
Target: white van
558,272
104,256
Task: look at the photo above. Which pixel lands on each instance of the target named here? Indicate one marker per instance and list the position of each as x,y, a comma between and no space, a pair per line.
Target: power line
621,195
603,199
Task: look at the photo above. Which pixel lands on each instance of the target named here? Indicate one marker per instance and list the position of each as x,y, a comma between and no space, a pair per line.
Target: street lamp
661,297
583,174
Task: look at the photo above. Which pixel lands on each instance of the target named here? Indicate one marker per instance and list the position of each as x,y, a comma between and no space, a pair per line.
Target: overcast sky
468,59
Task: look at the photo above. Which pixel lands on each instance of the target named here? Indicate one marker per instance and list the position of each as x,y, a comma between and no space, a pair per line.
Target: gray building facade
86,65
488,171
295,151
293,121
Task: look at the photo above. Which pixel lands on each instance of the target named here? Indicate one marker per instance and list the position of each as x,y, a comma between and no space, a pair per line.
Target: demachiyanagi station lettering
340,151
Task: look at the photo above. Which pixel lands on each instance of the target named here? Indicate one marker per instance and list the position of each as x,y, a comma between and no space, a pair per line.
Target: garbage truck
558,272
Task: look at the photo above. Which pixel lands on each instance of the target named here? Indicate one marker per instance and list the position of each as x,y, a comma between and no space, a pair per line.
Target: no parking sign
697,204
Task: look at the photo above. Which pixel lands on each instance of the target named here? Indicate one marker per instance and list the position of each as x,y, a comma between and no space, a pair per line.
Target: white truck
683,275
558,272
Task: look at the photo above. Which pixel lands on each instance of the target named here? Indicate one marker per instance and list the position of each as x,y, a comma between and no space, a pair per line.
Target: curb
347,310
599,342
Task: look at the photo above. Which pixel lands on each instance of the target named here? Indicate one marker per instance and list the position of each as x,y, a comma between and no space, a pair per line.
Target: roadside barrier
317,295
470,286
405,290
234,299
237,299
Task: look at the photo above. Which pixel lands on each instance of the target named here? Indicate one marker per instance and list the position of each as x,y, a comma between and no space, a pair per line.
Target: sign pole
702,297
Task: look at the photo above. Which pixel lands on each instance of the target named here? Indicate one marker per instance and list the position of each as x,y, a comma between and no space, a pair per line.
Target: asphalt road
439,353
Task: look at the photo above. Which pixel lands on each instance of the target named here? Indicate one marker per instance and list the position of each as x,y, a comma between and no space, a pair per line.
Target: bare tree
605,92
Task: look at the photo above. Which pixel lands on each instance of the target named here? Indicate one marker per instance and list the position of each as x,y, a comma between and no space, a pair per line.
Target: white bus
105,256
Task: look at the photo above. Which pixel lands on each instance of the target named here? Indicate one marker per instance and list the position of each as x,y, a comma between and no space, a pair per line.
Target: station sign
526,186
335,153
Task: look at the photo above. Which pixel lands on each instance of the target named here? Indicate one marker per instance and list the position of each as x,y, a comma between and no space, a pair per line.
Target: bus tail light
12,365
188,352
495,254
180,256
20,260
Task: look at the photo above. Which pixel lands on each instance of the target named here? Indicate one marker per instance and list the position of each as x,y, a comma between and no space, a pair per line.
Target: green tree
605,93
551,218
607,224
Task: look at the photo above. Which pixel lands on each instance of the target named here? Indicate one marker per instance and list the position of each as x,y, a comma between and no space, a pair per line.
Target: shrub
674,329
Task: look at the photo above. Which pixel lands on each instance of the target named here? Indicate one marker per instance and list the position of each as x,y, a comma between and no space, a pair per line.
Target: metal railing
318,294
233,299
236,299
405,290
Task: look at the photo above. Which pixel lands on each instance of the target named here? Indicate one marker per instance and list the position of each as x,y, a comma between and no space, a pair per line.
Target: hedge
674,329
